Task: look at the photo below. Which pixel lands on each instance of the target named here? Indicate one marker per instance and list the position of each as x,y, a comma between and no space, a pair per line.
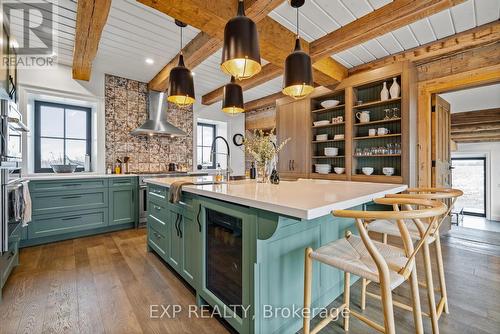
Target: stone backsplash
126,107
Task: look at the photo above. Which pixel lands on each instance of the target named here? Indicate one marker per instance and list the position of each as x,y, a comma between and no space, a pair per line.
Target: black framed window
469,175
62,135
205,135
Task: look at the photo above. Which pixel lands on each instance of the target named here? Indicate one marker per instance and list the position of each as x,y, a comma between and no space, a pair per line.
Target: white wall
56,84
235,124
492,153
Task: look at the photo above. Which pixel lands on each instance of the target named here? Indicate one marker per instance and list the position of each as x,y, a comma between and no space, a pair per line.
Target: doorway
469,175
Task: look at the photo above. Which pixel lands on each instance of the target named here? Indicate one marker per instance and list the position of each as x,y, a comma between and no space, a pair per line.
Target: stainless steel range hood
157,124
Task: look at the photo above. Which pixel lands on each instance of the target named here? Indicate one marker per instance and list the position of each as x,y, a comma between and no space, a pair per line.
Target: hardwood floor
106,284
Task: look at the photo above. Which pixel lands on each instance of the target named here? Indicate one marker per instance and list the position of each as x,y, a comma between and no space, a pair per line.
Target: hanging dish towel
27,204
174,194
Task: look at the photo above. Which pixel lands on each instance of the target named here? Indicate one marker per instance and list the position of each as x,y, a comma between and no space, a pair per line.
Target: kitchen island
241,244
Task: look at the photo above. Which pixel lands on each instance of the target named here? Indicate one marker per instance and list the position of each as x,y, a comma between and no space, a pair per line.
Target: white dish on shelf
367,170
338,136
388,171
330,103
339,170
321,137
318,123
331,151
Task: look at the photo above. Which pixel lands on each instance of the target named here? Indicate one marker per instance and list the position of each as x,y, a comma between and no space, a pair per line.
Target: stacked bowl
323,168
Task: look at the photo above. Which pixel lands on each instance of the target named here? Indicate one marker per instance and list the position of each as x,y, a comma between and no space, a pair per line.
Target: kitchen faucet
228,155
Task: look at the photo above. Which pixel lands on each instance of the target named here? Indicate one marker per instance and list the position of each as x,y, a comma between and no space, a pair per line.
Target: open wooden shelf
376,103
376,155
382,121
329,176
326,141
375,137
327,125
327,156
377,178
340,106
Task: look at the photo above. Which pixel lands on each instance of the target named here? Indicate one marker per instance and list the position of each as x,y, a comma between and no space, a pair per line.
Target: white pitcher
363,116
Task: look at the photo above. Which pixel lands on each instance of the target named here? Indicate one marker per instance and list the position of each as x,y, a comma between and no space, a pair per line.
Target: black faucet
228,155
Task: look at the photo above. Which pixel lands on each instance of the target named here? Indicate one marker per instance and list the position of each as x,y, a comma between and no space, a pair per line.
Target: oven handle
21,125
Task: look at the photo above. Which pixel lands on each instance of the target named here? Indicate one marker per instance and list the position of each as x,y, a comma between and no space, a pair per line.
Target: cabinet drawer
123,181
184,204
49,225
44,203
158,242
62,185
157,221
157,192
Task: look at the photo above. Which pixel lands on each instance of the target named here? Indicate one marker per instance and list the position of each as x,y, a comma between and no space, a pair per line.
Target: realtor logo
31,31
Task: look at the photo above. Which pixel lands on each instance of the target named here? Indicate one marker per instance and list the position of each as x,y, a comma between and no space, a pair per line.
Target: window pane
206,156
198,156
468,175
51,121
208,135
199,135
75,151
51,152
76,124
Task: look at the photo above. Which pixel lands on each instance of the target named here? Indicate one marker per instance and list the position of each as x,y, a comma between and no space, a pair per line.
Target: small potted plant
263,149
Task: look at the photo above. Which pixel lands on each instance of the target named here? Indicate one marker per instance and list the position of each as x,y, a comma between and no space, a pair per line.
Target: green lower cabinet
66,209
175,249
191,239
122,205
57,224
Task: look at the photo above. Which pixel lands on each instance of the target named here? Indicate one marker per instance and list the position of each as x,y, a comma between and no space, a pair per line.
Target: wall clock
238,139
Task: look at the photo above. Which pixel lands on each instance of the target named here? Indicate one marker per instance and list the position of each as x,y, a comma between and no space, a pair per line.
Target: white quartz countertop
70,176
304,198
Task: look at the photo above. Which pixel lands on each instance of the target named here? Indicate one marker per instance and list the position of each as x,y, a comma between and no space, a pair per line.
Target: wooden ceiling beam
276,42
91,16
475,135
265,101
476,37
475,117
390,17
457,129
479,140
204,45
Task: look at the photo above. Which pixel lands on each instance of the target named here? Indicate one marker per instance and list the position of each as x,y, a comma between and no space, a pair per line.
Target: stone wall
126,104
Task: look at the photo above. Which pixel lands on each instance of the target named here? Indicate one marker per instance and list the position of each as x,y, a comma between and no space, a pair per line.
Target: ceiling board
463,17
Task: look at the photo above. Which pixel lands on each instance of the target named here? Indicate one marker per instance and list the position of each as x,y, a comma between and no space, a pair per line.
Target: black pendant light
240,52
232,98
181,86
298,77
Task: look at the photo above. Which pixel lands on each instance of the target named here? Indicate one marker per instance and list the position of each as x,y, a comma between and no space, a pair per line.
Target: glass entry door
469,175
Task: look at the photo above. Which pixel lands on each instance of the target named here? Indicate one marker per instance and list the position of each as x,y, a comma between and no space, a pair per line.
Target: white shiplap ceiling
467,15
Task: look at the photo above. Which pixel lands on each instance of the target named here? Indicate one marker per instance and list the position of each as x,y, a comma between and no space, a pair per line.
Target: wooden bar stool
388,227
387,265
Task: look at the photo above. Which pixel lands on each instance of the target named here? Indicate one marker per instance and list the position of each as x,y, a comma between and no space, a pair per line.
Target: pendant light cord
297,22
180,51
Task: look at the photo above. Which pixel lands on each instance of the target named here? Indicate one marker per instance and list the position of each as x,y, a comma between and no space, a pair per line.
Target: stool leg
417,312
347,292
442,282
384,238
430,289
307,290
386,297
364,283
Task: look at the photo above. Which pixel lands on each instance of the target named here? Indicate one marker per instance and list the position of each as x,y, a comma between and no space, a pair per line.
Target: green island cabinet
272,257
71,208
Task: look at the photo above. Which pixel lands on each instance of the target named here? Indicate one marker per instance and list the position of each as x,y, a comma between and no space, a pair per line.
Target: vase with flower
263,149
